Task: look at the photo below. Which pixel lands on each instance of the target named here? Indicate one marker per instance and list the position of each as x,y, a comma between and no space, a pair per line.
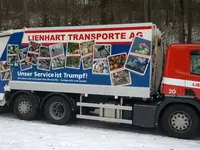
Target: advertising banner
96,55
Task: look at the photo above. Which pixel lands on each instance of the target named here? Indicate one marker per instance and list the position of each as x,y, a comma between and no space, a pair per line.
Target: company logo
197,84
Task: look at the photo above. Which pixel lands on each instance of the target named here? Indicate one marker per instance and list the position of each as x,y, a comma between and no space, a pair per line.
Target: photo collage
73,55
57,56
96,57
43,57
100,63
86,50
139,56
12,54
5,71
118,74
22,59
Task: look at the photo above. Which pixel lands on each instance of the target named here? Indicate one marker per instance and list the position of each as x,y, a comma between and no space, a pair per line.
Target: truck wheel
57,110
180,121
25,106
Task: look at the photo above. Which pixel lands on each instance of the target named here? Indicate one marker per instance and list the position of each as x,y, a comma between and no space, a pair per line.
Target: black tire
52,111
188,121
31,111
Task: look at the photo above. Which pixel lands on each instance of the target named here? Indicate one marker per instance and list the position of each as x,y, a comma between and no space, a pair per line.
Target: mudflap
144,115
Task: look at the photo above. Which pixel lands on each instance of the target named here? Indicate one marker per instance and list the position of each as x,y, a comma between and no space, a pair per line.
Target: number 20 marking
172,91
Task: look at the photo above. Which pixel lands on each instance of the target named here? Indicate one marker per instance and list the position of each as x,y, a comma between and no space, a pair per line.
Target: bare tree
147,10
66,7
182,21
189,21
178,15
103,4
45,14
57,12
25,14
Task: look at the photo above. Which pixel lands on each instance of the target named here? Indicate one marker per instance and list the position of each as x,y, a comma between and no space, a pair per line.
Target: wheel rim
25,107
180,121
57,110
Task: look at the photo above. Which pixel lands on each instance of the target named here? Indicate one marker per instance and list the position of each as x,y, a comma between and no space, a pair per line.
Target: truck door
3,42
193,72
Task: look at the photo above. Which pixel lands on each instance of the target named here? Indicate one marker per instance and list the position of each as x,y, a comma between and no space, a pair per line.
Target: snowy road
83,135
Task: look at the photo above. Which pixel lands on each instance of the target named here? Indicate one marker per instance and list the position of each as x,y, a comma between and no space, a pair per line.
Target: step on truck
114,73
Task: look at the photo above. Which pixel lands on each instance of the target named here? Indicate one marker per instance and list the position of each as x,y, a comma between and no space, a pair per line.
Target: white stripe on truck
173,81
180,82
143,92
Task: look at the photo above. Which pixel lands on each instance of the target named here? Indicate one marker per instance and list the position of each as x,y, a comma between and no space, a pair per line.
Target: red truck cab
182,70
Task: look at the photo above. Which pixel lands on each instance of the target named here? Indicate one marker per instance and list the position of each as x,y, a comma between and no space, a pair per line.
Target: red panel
173,90
175,64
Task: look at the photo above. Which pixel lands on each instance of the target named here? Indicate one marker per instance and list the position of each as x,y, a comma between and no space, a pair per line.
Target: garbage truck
119,73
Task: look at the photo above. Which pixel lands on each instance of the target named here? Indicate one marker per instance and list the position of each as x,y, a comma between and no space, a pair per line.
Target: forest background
179,20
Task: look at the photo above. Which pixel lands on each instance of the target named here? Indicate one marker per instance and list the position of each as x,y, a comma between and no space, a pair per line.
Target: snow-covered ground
84,135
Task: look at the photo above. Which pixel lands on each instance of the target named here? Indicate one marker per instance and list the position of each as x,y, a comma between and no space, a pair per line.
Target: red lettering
29,38
70,36
57,37
46,37
140,34
196,84
87,36
117,35
123,35
76,37
93,36
41,37
104,36
111,36
81,37
132,35
98,35
37,37
62,37
52,38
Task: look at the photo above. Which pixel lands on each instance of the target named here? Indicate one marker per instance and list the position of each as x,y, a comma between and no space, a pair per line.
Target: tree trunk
90,12
174,14
158,13
103,15
25,14
66,12
146,10
182,21
57,4
149,10
6,3
167,17
45,17
74,20
189,22
130,16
